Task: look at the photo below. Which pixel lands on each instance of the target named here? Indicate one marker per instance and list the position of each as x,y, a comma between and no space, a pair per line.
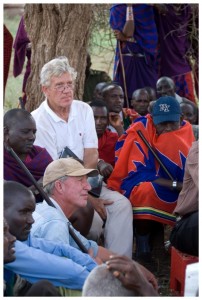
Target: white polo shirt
53,133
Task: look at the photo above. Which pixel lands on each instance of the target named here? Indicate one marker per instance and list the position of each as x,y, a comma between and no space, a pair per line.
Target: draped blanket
139,71
39,159
20,46
136,168
145,28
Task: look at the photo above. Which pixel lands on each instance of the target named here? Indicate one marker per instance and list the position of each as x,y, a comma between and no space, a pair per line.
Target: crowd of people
136,135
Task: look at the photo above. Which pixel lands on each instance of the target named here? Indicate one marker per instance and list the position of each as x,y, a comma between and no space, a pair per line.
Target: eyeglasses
62,87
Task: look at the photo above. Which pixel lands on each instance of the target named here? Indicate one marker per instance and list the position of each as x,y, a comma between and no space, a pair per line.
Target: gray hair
56,67
48,189
101,282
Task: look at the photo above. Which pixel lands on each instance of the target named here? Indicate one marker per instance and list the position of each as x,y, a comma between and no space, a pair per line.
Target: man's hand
104,169
99,205
120,36
97,259
132,276
115,119
116,122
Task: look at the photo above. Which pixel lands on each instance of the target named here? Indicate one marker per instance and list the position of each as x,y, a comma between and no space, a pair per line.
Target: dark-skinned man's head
100,112
165,86
113,96
19,204
9,244
19,131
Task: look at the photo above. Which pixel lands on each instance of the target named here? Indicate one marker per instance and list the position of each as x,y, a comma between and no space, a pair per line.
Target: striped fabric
139,70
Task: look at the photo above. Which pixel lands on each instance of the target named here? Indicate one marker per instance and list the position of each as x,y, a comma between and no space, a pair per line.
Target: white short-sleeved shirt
53,133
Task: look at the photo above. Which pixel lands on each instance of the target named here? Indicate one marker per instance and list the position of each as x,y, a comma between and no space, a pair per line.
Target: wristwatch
174,184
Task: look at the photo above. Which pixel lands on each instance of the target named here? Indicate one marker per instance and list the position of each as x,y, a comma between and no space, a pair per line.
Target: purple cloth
20,46
139,71
40,160
21,52
173,39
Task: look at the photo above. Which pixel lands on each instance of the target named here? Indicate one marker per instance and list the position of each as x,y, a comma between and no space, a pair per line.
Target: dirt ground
161,261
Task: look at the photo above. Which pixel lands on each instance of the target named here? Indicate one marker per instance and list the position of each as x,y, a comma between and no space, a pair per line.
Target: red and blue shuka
136,168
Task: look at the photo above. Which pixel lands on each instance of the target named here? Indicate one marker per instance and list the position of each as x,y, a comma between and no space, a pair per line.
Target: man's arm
90,157
64,267
129,27
173,185
116,122
193,164
57,231
63,250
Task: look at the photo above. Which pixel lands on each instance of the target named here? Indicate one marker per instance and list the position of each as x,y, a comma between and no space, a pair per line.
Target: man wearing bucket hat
141,177
65,182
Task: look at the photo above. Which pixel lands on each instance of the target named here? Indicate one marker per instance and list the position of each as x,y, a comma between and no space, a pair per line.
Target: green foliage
13,92
14,85
11,23
102,42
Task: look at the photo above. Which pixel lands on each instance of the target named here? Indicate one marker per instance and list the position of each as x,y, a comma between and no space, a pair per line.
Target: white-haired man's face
60,92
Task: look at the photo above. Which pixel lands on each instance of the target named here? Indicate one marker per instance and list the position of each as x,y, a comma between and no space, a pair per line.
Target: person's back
136,34
184,235
174,44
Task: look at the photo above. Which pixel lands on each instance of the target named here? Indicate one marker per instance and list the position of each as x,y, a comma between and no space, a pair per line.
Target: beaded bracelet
129,13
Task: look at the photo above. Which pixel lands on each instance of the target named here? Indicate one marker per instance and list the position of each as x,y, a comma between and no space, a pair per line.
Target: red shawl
106,146
136,169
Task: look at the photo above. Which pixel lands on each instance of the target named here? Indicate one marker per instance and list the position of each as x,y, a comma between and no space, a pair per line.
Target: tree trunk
56,30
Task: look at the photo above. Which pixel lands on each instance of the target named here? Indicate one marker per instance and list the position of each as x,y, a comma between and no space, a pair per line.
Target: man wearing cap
65,182
141,178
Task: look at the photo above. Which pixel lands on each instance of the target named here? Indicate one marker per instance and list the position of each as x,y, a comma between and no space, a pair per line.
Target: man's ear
45,90
6,131
58,186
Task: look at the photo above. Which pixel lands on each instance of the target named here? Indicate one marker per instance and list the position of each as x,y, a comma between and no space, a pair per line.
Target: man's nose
12,238
168,127
32,135
87,185
30,219
98,121
119,99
